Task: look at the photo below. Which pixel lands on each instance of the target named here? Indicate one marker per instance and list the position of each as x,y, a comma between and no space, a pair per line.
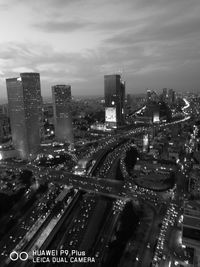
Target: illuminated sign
145,142
110,115
156,117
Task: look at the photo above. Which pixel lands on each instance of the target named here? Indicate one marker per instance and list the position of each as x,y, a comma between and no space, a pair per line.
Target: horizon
46,98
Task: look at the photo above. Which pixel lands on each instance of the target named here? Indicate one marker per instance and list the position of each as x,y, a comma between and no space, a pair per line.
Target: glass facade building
61,95
24,104
114,89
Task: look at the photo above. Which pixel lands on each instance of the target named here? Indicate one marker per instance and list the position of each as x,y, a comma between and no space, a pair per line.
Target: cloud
155,31
151,41
53,66
22,69
47,3
54,26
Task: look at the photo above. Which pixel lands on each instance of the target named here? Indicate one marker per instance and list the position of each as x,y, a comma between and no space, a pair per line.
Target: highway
57,232
98,207
32,217
84,230
18,233
105,186
77,227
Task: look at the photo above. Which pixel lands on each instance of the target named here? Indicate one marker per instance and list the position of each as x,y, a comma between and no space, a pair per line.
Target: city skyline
153,44
113,181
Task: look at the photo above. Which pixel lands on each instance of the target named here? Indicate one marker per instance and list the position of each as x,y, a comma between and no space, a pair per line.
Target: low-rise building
191,229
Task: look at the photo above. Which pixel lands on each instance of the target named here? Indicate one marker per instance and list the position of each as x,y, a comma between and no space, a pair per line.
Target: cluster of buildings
167,96
28,120
24,119
162,144
26,116
152,108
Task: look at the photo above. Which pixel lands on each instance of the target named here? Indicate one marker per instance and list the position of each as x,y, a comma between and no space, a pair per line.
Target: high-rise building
171,96
129,99
114,100
148,96
164,95
24,105
4,127
61,95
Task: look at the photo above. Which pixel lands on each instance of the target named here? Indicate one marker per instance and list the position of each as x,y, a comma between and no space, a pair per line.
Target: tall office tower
114,100
129,99
171,96
24,105
148,96
164,94
61,95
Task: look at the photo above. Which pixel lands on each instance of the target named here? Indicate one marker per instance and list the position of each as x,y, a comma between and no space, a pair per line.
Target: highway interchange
77,217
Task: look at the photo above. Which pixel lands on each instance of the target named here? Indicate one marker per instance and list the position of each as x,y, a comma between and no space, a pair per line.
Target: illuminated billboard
145,142
156,117
110,114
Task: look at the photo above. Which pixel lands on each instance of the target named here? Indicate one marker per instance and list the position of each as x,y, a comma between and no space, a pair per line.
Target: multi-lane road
74,230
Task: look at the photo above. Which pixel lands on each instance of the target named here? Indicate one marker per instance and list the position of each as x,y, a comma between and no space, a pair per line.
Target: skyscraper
114,100
148,95
24,104
61,95
171,96
164,94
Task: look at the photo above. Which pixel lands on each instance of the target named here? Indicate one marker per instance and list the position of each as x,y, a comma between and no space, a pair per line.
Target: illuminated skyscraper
114,100
24,104
61,95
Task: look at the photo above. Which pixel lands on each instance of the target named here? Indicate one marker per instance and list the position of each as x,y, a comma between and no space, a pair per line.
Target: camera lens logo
14,256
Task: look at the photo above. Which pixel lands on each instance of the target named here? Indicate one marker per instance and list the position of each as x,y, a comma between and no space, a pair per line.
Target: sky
152,43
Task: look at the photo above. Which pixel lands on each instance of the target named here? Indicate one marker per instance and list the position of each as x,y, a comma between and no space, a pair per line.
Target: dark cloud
114,25
175,30
61,26
53,26
155,43
54,67
47,3
157,67
155,31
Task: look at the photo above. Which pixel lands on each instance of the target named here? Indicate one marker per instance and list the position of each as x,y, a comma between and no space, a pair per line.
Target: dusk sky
154,43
